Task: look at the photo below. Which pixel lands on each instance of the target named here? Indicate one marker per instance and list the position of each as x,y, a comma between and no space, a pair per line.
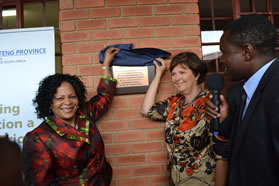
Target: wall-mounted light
8,13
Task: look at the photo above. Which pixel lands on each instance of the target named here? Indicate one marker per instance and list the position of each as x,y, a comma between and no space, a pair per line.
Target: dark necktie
242,105
237,125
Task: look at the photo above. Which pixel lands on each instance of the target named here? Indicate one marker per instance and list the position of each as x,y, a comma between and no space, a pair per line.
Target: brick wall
134,145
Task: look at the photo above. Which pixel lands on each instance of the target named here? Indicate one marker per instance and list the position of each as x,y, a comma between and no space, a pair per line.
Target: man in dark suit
248,46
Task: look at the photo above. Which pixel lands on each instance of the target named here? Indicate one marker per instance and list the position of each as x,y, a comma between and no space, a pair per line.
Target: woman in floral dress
189,140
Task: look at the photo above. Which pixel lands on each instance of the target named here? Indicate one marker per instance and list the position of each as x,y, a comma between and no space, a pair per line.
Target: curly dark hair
256,30
47,90
193,62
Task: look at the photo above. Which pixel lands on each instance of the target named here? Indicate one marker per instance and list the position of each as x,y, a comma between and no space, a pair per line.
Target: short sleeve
159,111
220,147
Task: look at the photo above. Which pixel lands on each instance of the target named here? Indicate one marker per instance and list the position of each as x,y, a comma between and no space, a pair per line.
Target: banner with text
26,57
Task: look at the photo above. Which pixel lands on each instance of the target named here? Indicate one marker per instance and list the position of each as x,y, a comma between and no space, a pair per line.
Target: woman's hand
109,55
160,69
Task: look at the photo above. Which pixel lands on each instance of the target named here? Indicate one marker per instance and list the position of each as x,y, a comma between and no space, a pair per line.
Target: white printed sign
26,57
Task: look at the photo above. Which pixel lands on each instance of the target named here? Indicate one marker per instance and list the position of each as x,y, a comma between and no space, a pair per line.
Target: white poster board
26,57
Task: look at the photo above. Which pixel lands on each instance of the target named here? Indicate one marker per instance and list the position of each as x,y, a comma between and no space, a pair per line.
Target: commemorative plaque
133,79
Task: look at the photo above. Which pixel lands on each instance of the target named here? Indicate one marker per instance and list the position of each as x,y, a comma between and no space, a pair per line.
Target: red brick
193,19
147,147
129,136
151,2
140,181
166,88
97,80
65,4
123,22
159,180
96,59
108,114
165,148
90,47
139,32
174,52
167,76
192,30
126,114
75,36
161,157
107,137
135,101
117,149
134,42
169,9
119,102
106,34
183,1
70,70
111,160
105,12
67,26
186,42
154,21
147,170
144,124
73,14
130,160
169,31
119,172
137,11
113,182
90,70
113,125
121,2
90,92
191,8
68,48
87,81
196,50
76,60
155,135
168,60
91,24
156,43
89,3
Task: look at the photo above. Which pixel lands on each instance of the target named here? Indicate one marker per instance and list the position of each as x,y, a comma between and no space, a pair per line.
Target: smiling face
183,79
233,58
65,103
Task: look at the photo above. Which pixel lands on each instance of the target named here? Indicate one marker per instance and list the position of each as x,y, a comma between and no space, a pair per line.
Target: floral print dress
189,141
57,154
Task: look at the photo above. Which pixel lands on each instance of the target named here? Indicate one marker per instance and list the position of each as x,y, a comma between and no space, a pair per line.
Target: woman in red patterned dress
189,140
67,148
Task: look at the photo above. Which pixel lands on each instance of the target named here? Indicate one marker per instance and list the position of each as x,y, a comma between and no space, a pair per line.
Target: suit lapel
246,122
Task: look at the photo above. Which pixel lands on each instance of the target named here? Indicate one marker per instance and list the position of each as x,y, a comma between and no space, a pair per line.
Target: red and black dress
57,154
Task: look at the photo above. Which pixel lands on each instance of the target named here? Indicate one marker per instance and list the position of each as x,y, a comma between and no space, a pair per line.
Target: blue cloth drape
134,57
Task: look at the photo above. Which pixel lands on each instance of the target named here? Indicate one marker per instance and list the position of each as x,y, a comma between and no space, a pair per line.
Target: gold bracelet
105,68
